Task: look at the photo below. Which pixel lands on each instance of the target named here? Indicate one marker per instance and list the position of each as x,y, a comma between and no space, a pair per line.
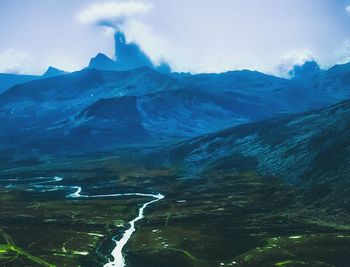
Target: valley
157,133
150,168
224,218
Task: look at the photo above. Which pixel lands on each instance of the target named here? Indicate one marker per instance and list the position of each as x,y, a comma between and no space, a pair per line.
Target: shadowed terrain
254,168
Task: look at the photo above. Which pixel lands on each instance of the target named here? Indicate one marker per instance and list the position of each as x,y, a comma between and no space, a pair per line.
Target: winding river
117,252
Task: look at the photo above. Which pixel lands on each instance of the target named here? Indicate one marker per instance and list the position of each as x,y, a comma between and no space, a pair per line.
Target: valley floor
220,219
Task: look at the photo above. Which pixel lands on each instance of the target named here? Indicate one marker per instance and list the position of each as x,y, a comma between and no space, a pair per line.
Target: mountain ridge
170,107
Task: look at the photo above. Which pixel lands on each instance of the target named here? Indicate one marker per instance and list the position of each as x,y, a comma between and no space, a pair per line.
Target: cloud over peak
105,13
125,18
291,59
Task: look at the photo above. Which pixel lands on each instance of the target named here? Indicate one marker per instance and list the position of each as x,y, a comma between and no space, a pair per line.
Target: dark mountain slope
37,112
86,82
105,125
281,95
327,87
275,144
310,151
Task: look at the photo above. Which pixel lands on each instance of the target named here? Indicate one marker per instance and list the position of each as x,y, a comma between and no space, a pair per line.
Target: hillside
309,151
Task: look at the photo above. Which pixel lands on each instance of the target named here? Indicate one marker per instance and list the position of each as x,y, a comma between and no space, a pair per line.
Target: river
44,184
117,252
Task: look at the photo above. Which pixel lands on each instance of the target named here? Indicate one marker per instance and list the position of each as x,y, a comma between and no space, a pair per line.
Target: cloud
122,16
21,62
347,9
154,46
15,61
112,13
343,55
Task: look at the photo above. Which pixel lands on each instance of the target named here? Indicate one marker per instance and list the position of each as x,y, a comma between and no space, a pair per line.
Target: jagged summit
52,71
128,56
308,68
102,62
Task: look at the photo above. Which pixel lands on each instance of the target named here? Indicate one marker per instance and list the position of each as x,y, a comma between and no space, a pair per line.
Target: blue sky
192,35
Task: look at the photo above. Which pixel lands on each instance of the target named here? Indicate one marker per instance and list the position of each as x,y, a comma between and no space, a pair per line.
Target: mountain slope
9,80
36,112
328,87
285,96
310,151
103,125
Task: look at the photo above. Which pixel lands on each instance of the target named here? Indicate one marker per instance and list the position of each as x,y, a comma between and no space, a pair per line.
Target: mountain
102,62
104,124
310,151
169,108
307,69
277,183
330,86
264,93
128,56
51,72
39,114
55,107
339,69
9,80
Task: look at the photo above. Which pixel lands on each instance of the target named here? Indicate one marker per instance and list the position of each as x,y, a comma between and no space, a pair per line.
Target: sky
191,35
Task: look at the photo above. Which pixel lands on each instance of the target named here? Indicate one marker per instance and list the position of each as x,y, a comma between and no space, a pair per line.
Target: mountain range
72,110
132,101
9,80
95,109
266,157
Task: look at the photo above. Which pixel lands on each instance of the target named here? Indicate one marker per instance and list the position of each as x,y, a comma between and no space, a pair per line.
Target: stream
44,184
117,252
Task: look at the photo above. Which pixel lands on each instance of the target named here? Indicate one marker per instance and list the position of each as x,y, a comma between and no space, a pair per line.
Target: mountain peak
102,56
52,71
129,56
308,68
103,62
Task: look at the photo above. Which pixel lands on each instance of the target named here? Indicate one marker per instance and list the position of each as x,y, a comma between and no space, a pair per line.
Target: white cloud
15,61
154,46
21,62
112,11
343,55
347,9
114,16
